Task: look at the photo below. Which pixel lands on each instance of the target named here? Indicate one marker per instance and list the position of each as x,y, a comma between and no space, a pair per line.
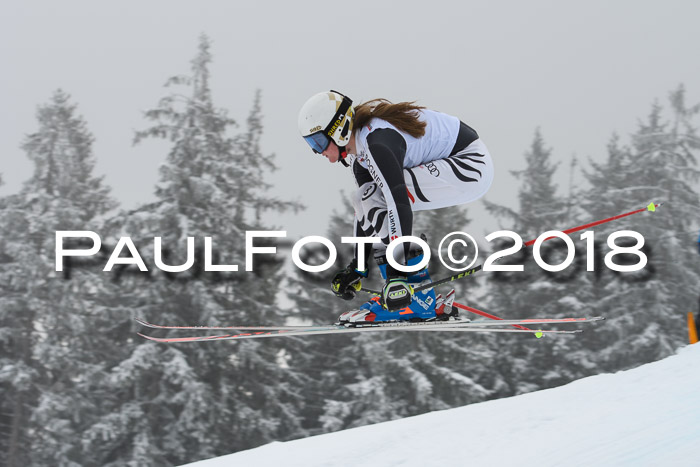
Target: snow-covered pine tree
20,376
322,359
457,364
175,404
525,363
50,330
646,310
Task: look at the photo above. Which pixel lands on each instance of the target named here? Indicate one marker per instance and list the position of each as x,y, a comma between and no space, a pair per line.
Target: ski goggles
318,141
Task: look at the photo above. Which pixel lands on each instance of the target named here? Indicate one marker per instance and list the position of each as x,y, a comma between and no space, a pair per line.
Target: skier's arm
387,150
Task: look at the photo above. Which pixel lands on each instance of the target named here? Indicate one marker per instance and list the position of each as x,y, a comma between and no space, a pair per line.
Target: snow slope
648,416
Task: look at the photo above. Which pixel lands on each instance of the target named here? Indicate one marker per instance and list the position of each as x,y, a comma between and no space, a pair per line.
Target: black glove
397,293
347,282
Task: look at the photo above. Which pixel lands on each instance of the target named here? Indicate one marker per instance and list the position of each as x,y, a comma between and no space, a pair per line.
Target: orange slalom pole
692,329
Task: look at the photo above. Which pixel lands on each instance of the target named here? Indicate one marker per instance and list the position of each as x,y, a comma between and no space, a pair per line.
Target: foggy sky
577,70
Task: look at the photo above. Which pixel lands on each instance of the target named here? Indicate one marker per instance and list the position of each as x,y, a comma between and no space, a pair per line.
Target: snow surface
648,416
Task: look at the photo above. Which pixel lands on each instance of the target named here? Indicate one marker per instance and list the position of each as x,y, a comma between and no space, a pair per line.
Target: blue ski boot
421,308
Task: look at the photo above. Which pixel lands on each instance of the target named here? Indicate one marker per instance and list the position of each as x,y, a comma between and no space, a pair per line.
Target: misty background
579,72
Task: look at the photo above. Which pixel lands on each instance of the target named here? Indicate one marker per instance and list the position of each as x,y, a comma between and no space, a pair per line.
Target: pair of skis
455,325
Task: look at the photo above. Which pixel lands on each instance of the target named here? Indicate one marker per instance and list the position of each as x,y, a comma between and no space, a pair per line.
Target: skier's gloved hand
347,282
397,293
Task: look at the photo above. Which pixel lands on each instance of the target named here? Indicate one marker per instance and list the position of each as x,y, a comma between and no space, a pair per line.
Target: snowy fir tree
52,340
19,372
646,309
526,364
321,359
181,403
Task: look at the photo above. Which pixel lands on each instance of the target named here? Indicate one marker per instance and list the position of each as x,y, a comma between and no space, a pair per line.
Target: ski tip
160,340
147,337
652,206
143,322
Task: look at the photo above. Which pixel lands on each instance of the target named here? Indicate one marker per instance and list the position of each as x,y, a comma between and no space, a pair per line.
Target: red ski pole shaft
486,315
593,224
475,269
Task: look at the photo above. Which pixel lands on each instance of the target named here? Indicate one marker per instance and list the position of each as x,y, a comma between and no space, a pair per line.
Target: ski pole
469,272
487,315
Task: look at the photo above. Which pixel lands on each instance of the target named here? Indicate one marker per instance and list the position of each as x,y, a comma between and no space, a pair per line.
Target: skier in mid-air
404,158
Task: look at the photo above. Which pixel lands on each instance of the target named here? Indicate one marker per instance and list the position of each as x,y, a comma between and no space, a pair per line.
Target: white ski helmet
326,116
